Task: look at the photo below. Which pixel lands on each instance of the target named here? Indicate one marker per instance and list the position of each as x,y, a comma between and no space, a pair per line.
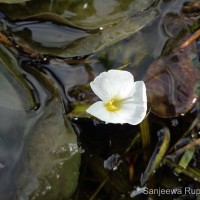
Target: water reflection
33,139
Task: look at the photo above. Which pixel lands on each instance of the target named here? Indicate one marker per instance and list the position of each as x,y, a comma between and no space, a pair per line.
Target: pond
50,147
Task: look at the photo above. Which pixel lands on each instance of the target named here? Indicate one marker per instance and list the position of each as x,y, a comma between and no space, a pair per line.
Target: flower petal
99,110
133,113
139,92
114,83
134,109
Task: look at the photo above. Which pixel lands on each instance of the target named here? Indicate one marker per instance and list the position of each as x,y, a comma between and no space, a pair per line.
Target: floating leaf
13,1
52,158
16,121
14,126
12,98
122,53
38,148
90,14
158,154
68,42
18,95
54,18
171,83
47,34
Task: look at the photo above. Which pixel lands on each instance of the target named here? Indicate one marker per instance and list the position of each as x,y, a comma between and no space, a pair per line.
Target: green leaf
13,1
79,110
52,158
12,98
90,14
51,39
193,173
145,133
14,89
185,159
158,154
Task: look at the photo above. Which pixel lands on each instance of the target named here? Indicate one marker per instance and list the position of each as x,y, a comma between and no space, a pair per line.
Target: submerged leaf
158,154
171,81
117,183
190,172
145,133
185,159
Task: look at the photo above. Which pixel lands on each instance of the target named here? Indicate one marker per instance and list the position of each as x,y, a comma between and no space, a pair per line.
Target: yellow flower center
113,105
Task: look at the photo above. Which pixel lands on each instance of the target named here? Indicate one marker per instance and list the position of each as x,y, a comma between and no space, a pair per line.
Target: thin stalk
186,171
99,188
145,133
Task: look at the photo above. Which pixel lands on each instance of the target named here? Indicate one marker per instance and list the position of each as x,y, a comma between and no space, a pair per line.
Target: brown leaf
4,40
171,82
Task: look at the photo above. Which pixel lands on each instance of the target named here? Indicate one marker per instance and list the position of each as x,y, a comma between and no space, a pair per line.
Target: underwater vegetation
51,148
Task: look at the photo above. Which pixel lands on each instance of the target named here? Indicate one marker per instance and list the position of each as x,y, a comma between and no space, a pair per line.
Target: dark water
46,153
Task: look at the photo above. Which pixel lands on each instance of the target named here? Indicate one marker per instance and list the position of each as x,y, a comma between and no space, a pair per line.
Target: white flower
123,100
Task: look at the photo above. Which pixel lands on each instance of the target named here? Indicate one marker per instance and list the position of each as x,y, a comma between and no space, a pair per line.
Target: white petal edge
133,114
99,111
134,109
139,92
114,83
99,88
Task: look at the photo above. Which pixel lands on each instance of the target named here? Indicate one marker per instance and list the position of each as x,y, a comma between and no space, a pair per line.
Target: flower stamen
113,105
